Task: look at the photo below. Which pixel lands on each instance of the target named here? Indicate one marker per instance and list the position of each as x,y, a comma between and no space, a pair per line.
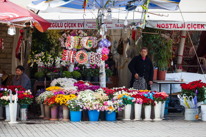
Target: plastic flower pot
155,74
7,113
93,115
161,75
147,112
110,116
87,78
42,110
95,79
191,114
46,112
60,112
157,109
54,113
203,112
75,116
162,110
138,111
1,112
23,111
65,113
127,112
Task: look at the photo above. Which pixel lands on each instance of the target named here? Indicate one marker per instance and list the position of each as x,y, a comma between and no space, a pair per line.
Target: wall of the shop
6,53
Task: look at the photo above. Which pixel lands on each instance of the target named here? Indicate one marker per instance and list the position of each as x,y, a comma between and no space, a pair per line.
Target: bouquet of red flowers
158,97
109,92
13,88
25,97
190,88
50,101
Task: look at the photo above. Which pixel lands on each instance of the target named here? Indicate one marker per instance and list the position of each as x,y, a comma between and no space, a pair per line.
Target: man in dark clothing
21,78
141,66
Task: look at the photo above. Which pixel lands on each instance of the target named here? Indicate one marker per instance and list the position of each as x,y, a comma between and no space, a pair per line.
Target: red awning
12,13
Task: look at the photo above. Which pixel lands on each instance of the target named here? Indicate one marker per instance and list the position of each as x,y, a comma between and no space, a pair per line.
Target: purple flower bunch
82,87
59,92
40,91
76,68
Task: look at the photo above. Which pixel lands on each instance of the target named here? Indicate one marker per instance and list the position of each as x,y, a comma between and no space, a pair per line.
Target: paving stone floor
172,126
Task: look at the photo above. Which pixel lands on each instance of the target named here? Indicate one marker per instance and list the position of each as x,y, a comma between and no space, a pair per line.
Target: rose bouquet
111,106
190,88
148,99
25,97
40,99
94,105
160,96
50,101
126,99
63,99
5,100
14,88
109,92
75,104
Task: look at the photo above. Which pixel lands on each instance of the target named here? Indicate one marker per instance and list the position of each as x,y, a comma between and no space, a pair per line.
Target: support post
181,48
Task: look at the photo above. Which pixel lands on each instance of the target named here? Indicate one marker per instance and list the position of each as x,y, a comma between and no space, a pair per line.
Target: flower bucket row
87,97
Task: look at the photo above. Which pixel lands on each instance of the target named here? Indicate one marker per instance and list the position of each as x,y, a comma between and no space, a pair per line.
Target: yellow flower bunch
120,96
63,99
144,90
53,88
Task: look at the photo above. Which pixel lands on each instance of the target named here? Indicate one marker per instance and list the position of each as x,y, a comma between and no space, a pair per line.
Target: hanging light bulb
125,22
109,14
94,7
12,30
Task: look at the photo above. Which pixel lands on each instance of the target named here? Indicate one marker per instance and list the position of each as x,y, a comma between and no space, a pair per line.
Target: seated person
21,78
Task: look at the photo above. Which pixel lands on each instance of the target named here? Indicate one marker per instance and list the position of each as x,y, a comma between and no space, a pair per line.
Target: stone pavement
171,127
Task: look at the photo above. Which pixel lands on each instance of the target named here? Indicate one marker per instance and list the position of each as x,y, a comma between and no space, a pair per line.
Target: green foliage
108,72
39,74
51,74
88,72
200,93
67,74
159,48
76,74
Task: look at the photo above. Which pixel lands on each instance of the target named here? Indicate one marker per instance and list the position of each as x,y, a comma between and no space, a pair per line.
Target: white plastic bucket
127,112
191,114
203,112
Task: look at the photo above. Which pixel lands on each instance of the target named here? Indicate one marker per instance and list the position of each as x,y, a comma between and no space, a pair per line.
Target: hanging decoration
72,55
1,44
65,55
18,45
81,57
92,58
70,42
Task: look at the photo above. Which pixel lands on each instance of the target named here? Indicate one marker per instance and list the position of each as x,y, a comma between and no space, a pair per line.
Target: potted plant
88,74
76,74
111,108
94,108
95,71
75,107
108,72
39,76
50,101
147,104
67,74
127,101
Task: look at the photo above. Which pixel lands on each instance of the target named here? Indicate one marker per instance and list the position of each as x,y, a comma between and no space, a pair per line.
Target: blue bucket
110,116
75,116
93,115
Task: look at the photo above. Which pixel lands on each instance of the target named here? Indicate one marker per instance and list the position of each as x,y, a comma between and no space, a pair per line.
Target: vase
23,111
54,113
7,113
1,112
157,109
155,74
95,78
75,116
87,78
203,112
93,115
13,112
110,116
147,112
60,112
42,110
162,110
65,113
161,75
127,112
138,111
102,115
46,112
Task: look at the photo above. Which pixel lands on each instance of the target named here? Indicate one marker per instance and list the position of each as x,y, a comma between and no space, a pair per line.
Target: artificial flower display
53,88
50,101
25,97
40,99
94,105
75,105
111,106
